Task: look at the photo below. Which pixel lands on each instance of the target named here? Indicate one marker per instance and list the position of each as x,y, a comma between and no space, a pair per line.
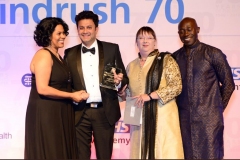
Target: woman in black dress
49,129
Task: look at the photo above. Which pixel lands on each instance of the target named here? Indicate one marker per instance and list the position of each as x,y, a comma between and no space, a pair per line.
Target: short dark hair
146,29
45,28
87,15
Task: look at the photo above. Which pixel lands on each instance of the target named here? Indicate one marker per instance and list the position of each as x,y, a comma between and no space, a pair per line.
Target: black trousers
94,123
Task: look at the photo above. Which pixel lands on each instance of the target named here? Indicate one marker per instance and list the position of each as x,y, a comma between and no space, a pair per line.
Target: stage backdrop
119,21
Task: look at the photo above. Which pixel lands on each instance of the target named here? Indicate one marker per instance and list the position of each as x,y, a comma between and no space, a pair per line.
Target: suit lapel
79,65
101,60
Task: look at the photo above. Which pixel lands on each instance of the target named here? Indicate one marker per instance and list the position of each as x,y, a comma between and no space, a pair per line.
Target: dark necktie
92,50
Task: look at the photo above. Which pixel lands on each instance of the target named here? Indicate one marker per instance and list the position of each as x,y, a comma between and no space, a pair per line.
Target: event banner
219,24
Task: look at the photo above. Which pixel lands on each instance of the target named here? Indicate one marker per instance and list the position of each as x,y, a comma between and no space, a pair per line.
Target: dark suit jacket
108,53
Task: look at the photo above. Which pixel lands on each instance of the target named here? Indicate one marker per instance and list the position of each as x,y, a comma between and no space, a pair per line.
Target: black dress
49,129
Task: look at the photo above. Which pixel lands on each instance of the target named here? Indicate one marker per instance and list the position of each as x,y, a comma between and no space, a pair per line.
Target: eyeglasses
145,38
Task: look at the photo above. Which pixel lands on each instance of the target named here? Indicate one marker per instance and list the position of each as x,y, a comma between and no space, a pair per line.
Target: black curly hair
45,28
87,15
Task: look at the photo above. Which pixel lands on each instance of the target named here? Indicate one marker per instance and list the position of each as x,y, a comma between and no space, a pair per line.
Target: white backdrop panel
119,22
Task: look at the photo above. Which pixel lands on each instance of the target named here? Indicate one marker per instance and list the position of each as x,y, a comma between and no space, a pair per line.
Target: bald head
188,31
188,19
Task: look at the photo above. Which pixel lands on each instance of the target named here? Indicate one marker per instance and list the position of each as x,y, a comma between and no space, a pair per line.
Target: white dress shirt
90,65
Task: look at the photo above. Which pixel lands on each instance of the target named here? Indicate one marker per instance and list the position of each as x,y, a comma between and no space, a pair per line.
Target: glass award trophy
108,76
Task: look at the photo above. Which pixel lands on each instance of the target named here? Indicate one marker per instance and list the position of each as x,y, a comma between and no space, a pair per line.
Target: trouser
94,123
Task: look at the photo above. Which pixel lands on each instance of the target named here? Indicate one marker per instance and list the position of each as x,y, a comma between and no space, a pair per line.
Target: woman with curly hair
49,129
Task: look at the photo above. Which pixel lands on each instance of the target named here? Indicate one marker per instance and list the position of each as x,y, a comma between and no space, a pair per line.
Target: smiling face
58,36
87,31
146,42
188,31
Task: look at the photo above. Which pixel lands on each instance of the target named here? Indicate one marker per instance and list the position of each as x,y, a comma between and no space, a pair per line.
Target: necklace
142,60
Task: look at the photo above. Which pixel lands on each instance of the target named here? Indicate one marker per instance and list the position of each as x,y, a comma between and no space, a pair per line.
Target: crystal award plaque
108,77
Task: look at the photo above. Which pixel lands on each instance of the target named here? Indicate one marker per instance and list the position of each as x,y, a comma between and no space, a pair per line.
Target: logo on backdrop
236,73
236,77
27,80
97,8
5,135
121,127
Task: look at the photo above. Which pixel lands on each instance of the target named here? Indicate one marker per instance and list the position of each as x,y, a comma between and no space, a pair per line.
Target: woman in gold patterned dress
155,80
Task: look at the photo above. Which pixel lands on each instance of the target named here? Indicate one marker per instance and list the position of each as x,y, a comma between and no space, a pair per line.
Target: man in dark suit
98,114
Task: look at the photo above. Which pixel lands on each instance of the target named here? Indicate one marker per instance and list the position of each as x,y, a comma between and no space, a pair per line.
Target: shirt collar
193,46
93,45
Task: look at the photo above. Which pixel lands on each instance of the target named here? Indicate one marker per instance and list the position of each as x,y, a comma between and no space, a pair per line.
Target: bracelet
149,95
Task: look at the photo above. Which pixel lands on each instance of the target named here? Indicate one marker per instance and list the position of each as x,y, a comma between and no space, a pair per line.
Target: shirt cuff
118,86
